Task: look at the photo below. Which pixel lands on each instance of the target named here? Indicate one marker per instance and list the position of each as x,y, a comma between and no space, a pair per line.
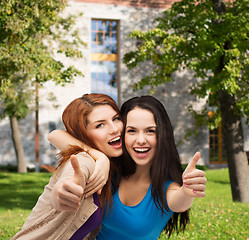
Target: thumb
78,174
191,166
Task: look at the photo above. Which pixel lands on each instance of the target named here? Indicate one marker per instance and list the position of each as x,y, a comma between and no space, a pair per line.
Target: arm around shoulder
62,140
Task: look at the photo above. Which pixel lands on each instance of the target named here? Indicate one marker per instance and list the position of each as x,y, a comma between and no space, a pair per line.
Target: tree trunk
21,163
234,144
232,130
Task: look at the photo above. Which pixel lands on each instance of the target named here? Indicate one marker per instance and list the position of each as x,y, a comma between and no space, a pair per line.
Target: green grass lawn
212,217
216,216
18,195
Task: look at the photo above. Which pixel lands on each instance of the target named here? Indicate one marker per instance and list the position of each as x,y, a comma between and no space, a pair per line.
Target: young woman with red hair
95,120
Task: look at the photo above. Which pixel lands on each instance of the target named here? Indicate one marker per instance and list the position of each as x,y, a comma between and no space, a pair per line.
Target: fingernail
194,191
185,177
184,181
86,196
186,185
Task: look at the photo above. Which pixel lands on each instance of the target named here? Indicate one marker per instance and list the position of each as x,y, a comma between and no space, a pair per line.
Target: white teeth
141,149
115,139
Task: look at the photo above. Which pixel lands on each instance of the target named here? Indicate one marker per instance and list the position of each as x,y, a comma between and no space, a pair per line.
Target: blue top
141,222
93,222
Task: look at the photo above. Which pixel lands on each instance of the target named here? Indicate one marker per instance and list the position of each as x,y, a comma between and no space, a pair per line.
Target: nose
141,139
113,129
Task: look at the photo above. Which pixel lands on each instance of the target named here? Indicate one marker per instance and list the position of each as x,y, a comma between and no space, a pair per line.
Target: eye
116,119
151,131
130,131
99,125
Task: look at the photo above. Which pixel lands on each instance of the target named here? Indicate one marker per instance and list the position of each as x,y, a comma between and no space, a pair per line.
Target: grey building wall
174,95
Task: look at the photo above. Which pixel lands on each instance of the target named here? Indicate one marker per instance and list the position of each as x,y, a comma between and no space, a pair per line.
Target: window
217,153
104,57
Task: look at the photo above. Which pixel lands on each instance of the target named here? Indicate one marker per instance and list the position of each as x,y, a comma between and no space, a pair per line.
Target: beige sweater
46,223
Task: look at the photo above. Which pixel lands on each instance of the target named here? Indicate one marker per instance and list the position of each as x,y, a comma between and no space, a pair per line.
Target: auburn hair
75,121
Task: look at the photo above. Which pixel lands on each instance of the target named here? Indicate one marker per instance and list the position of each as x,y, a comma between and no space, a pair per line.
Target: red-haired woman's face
104,127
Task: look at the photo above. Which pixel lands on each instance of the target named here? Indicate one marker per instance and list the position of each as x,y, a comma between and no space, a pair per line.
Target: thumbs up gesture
66,195
194,180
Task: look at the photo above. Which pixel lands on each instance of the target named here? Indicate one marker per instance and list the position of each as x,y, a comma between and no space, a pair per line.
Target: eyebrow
100,121
145,128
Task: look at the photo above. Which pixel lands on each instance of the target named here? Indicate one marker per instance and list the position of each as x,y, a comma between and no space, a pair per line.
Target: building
104,26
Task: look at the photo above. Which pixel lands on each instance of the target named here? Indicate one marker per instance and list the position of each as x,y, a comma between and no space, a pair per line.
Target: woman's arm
62,140
180,198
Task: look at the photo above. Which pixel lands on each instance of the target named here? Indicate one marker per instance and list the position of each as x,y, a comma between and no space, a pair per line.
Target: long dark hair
166,163
74,118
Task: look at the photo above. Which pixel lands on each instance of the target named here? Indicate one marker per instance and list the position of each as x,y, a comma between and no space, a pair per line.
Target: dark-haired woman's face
140,136
104,127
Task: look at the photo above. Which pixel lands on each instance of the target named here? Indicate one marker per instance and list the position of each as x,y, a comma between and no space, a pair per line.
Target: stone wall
174,95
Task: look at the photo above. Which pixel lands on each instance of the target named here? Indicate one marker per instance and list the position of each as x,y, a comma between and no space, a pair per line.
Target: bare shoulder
173,186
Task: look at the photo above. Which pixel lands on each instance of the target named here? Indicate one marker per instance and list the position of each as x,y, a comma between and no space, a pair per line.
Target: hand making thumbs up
194,180
66,195
79,177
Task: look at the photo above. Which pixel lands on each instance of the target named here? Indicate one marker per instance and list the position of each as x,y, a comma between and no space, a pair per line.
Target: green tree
15,102
31,34
210,37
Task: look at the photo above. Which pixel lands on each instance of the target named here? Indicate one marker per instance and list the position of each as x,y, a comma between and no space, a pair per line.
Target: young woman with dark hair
95,120
152,192
165,163
151,181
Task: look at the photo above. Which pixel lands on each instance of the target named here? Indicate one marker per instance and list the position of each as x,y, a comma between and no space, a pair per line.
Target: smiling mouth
115,142
141,150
